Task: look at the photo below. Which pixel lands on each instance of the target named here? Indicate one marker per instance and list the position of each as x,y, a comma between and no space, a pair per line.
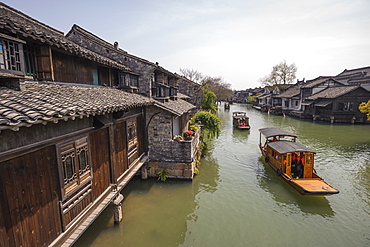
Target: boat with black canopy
293,162
241,120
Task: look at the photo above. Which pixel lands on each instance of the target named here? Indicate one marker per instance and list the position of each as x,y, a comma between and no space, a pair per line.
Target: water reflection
287,198
207,182
240,136
363,184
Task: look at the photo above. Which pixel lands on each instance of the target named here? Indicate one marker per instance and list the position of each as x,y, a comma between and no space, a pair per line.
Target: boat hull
243,127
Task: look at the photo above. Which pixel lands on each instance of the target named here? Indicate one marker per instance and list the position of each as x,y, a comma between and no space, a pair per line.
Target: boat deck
315,186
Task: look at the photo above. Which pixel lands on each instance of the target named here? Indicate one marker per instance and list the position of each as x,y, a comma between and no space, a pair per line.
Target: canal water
237,200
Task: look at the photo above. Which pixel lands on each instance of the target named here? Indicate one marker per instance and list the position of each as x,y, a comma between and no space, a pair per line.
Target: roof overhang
323,103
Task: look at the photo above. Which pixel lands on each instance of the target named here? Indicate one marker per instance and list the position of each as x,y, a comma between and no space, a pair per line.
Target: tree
217,85
211,124
208,101
192,75
364,107
281,73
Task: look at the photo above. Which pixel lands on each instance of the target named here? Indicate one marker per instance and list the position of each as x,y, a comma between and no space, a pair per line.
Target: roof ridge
7,11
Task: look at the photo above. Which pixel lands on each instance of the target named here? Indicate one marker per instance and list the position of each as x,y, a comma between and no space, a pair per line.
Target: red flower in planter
190,132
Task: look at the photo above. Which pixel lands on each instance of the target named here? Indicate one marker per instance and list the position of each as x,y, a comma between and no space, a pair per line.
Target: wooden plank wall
31,185
4,241
120,153
99,141
71,69
141,135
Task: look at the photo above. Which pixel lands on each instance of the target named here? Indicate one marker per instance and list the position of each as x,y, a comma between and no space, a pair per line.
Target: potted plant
193,127
178,138
189,135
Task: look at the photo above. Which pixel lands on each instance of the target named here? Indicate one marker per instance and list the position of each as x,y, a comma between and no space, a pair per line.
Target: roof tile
37,102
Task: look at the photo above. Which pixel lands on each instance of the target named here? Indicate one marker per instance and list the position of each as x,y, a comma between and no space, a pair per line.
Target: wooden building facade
74,128
54,171
67,144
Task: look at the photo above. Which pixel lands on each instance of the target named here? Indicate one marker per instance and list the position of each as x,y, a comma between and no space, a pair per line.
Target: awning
306,103
323,103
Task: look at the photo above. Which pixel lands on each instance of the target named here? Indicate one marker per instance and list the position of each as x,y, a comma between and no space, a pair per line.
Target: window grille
11,57
75,164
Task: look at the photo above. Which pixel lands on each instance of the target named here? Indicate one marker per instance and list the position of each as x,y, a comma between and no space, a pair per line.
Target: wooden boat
293,162
240,120
227,106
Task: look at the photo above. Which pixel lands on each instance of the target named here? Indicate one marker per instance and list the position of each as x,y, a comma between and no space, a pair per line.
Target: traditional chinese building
75,127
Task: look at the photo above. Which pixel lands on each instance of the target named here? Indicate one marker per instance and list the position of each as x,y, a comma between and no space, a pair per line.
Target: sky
237,40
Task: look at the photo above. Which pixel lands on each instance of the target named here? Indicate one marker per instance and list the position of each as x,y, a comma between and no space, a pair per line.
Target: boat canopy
283,147
239,114
269,132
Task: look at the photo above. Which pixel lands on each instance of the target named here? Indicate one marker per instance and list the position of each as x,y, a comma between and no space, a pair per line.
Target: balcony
185,150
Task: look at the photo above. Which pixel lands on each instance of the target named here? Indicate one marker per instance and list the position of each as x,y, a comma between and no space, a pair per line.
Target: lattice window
69,167
131,131
75,164
132,139
11,55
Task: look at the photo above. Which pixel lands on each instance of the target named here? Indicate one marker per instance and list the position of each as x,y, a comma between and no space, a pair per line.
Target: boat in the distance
241,120
227,106
293,162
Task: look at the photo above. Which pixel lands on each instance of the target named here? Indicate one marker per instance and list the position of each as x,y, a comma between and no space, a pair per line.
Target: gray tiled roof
290,92
182,96
314,82
359,72
332,92
177,107
41,102
24,26
114,54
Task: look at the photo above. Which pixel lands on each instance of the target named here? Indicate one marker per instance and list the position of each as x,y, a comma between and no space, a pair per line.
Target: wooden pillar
144,172
112,156
117,205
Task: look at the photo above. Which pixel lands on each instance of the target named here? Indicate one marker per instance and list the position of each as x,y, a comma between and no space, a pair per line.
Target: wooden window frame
132,140
29,60
81,173
11,55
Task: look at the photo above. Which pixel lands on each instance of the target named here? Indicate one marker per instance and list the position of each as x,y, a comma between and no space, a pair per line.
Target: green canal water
237,200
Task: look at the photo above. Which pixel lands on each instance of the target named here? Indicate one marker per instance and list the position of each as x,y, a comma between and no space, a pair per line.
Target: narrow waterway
237,200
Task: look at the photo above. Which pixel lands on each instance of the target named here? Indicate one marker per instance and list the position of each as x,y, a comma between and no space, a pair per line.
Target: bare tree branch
281,73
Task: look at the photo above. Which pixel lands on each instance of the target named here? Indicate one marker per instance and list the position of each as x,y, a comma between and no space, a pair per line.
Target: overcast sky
238,40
